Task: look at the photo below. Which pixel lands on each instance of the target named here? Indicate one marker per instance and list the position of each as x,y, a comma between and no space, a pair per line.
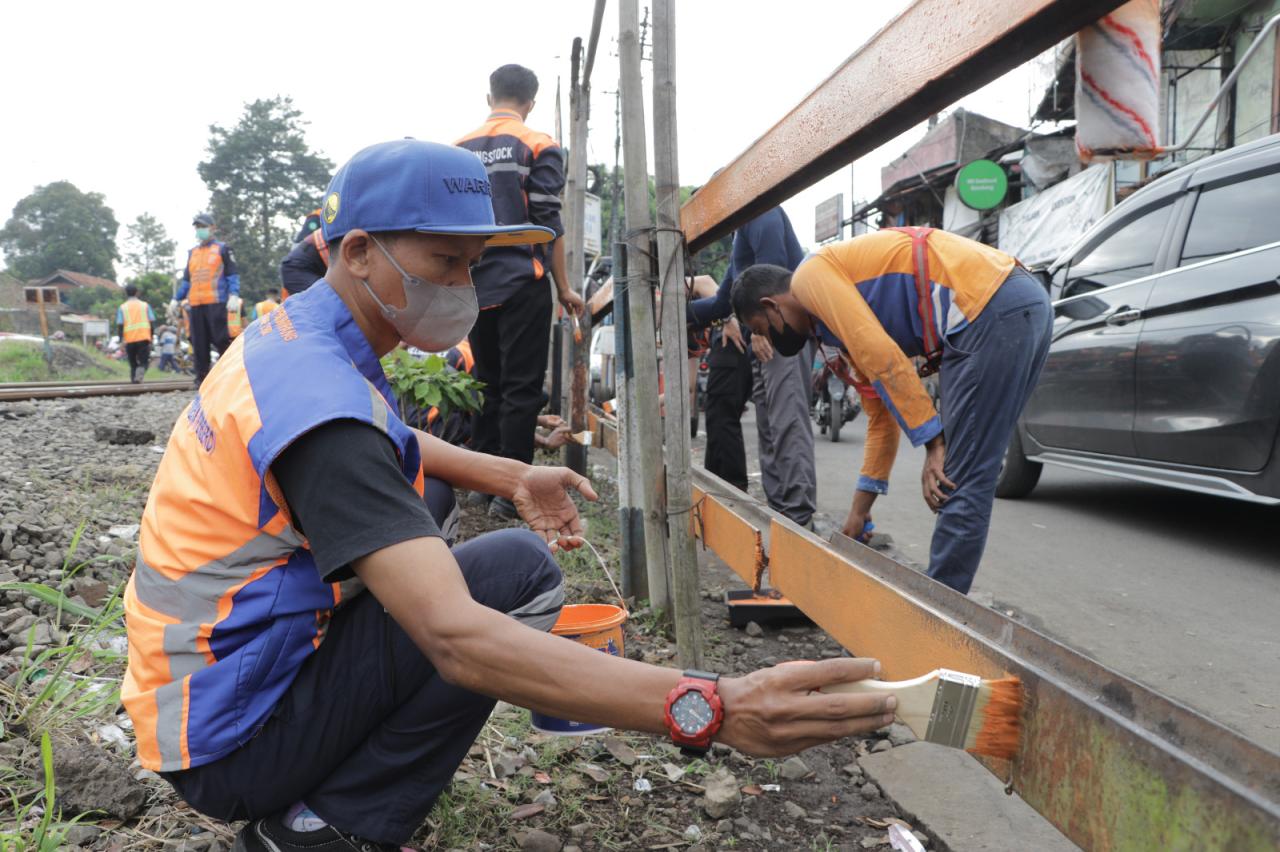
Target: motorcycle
833,404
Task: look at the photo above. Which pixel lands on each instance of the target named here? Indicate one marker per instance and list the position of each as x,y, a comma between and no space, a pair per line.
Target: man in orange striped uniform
263,685
510,339
134,318
211,284
970,311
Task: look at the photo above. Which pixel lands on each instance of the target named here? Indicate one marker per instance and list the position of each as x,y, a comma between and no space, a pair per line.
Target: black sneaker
478,499
271,835
504,509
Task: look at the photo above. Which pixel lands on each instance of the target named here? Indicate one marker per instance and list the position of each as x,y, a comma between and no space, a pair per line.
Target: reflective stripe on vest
204,270
225,603
235,323
137,326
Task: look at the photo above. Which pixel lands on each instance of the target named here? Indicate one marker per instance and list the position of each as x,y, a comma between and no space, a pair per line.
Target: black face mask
788,341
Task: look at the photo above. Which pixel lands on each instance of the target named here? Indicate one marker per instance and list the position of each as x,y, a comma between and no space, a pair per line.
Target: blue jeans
989,369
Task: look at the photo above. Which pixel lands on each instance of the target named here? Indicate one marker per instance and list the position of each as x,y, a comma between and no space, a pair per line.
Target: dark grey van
1165,361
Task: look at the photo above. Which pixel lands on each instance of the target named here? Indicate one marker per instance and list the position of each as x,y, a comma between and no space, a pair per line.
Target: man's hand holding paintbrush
785,709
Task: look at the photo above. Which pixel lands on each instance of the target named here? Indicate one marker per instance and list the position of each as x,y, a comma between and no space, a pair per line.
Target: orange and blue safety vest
210,275
884,298
134,318
225,602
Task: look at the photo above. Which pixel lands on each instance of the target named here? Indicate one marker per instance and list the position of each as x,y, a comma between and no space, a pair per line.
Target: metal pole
575,455
671,271
642,397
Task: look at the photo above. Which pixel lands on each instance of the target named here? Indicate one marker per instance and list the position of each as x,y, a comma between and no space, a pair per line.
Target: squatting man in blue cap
305,651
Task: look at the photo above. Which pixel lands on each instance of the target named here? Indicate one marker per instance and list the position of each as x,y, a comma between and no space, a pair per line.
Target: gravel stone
537,840
793,769
722,794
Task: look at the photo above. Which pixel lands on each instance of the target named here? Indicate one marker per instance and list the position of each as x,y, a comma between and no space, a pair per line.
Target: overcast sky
118,98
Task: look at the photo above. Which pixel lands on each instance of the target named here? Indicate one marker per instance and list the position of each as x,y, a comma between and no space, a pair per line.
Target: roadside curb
953,799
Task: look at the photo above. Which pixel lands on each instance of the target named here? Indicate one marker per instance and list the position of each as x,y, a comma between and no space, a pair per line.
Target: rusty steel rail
1113,764
18,391
933,53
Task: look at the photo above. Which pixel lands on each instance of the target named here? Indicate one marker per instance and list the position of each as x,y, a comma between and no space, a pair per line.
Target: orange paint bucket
597,626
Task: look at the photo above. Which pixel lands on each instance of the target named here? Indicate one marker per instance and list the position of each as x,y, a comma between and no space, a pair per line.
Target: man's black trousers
139,355
510,343
208,329
369,734
728,389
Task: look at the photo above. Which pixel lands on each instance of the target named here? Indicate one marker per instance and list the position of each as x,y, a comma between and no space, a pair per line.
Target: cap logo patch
331,208
466,184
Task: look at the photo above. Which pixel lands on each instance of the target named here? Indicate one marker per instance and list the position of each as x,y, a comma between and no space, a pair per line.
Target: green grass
57,690
23,361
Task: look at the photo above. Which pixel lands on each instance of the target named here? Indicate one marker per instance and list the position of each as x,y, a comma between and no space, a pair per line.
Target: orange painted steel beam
738,542
1114,765
932,54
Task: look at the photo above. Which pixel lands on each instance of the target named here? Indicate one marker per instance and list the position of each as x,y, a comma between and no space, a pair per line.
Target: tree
262,180
712,260
59,227
148,247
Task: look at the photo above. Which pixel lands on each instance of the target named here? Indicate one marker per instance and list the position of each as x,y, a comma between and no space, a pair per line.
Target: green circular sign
982,184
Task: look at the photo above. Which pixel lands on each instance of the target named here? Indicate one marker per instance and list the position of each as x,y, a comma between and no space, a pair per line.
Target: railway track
15,391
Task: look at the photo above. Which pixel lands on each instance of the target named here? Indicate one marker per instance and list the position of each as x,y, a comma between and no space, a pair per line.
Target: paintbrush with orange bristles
955,709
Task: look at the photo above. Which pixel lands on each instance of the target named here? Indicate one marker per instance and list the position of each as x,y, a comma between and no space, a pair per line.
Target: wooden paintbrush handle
915,697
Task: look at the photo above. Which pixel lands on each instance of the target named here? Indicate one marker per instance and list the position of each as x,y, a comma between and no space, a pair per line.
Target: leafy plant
421,384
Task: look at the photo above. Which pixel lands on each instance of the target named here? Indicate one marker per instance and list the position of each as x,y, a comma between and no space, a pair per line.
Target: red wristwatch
694,712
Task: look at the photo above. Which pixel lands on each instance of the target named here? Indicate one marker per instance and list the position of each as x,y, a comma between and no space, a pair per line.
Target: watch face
691,712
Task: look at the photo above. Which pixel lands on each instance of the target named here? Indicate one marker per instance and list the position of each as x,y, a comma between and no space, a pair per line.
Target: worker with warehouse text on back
254,687
525,171
970,311
211,285
134,318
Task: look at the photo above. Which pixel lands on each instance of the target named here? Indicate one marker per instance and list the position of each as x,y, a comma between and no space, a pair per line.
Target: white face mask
434,316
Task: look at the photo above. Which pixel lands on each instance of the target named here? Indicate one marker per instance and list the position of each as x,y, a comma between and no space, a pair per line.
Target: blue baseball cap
411,185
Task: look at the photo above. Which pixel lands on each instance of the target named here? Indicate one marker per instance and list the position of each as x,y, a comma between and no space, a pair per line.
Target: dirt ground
69,507
520,789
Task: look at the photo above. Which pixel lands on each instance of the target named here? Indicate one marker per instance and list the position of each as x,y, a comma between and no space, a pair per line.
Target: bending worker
211,284
886,297
291,472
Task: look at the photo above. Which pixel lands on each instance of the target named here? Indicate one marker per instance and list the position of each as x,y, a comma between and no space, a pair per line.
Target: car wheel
1018,474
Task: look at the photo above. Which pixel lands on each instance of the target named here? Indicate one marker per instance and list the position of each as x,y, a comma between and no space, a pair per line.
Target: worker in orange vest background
211,284
267,305
235,321
135,318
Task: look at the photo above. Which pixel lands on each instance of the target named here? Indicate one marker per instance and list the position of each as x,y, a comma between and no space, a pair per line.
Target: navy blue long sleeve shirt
768,238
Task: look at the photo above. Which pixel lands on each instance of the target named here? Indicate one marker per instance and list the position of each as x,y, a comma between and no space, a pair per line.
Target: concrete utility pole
671,271
644,456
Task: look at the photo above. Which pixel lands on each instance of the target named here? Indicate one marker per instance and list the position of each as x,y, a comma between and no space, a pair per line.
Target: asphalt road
1174,589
